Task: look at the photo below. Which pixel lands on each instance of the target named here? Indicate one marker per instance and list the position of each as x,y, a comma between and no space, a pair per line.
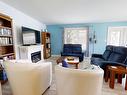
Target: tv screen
30,36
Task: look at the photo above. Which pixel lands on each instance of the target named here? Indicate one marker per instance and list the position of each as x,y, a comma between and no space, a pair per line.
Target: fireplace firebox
36,56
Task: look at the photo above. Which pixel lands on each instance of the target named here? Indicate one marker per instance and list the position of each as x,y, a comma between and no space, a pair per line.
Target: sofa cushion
71,54
106,54
76,55
116,57
67,50
77,50
120,50
66,54
110,47
97,61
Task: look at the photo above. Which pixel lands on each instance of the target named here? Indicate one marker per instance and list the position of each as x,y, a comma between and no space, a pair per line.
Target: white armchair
28,78
78,82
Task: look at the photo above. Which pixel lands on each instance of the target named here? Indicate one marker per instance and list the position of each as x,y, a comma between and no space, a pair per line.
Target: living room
54,17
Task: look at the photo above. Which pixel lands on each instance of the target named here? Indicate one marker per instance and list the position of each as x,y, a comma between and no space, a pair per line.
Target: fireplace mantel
26,51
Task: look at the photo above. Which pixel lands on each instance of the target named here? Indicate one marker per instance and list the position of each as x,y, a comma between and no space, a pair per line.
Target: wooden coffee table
72,62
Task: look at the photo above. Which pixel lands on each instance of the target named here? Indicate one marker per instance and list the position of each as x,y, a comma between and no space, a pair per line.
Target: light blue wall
99,28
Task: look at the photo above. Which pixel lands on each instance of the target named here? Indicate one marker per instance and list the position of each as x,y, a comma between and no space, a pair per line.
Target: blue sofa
113,55
73,50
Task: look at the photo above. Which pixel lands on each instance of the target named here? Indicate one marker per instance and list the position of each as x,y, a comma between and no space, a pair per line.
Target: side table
112,71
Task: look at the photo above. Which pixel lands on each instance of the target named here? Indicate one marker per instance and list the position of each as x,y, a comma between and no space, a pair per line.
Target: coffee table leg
76,66
126,83
120,78
112,79
106,75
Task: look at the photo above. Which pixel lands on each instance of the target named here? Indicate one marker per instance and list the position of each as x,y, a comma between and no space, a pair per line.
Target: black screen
31,36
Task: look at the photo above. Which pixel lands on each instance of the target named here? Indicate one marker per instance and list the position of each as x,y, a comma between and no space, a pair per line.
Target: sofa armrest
61,53
83,53
97,55
111,63
81,57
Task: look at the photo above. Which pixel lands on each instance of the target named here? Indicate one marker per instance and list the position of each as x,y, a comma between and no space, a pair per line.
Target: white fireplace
33,53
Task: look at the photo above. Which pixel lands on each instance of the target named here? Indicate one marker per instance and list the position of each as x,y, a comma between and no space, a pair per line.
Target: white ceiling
72,11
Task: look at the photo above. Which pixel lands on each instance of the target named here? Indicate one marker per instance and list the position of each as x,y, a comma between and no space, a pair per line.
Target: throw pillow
64,64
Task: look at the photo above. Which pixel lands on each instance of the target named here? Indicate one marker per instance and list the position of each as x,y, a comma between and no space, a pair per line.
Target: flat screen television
30,36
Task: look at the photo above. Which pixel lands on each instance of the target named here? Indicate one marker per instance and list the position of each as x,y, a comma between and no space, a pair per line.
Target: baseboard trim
56,55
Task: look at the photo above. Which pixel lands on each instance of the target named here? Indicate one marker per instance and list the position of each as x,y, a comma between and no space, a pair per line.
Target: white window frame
121,40
69,41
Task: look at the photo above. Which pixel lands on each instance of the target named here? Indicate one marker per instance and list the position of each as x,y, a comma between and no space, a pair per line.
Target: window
117,36
76,36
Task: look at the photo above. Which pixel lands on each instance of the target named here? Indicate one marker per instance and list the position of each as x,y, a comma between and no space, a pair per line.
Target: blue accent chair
73,50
